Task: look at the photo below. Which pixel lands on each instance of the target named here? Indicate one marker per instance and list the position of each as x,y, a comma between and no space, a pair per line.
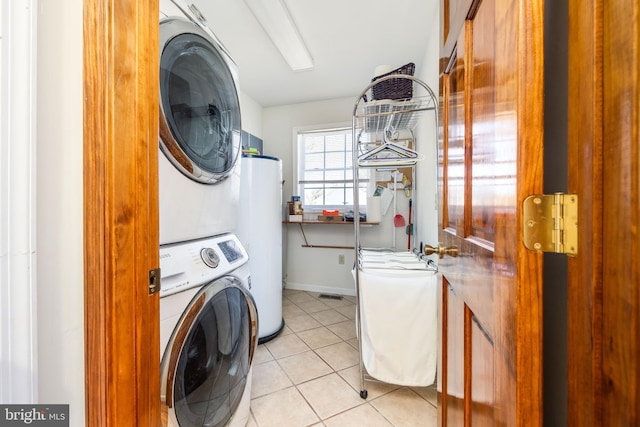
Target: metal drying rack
377,125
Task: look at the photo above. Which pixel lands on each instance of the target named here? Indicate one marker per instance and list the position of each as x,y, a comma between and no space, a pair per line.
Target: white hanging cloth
398,320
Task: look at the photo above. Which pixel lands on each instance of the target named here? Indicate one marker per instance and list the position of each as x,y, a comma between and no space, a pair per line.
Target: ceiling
347,39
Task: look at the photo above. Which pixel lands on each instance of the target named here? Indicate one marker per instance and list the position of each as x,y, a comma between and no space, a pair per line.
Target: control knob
210,257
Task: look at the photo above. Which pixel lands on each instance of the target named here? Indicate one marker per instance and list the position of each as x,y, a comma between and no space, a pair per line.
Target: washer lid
199,107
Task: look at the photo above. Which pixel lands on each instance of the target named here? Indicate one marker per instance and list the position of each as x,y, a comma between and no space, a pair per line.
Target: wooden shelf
328,222
311,222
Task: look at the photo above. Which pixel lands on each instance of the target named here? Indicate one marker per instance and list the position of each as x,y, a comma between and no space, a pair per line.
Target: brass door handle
441,250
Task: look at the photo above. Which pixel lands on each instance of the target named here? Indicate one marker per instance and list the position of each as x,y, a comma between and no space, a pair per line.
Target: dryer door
199,109
205,365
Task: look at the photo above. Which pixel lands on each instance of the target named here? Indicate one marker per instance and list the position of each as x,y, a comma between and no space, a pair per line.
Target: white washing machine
208,333
199,128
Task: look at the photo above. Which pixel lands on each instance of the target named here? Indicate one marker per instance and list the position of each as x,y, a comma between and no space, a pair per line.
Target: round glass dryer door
206,363
199,108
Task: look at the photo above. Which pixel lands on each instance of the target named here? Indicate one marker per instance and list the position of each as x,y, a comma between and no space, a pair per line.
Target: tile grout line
305,299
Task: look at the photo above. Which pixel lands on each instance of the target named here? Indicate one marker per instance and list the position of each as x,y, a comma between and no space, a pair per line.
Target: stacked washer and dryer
208,318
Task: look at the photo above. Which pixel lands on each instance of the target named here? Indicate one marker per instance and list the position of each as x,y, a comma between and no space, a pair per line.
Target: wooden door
490,160
122,337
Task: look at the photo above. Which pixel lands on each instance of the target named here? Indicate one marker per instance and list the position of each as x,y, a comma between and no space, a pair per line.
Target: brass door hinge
551,223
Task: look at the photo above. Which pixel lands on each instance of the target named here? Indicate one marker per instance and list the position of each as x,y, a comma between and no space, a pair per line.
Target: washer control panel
197,262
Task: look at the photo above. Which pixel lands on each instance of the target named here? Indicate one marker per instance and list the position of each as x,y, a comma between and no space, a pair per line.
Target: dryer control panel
198,262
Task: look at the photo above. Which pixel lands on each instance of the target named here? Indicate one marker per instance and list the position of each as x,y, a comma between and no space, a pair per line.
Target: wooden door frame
120,63
585,179
604,290
620,326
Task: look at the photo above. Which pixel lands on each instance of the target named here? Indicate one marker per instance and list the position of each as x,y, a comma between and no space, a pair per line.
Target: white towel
391,260
398,325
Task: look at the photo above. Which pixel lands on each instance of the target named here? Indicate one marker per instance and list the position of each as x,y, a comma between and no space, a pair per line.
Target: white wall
279,122
59,200
309,268
318,269
18,318
251,113
427,143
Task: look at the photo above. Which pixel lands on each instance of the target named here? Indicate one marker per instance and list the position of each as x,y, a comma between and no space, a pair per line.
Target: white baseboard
321,289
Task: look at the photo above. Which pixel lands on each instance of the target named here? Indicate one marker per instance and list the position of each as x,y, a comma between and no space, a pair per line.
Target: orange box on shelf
334,212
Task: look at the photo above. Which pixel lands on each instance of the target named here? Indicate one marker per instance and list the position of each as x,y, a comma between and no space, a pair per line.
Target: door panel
490,160
455,144
453,399
491,167
453,13
479,359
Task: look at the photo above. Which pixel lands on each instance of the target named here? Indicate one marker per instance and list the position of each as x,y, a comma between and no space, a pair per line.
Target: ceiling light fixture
277,22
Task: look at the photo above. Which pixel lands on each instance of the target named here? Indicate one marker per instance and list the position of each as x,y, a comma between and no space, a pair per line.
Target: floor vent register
330,296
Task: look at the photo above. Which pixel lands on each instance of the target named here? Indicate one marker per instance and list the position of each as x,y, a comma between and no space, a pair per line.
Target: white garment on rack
399,325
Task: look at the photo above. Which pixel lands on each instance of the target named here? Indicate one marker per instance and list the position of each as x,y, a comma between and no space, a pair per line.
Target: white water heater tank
260,231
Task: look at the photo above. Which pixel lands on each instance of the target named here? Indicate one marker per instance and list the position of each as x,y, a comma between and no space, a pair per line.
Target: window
325,169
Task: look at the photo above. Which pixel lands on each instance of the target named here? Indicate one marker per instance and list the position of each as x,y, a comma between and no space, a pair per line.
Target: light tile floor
309,376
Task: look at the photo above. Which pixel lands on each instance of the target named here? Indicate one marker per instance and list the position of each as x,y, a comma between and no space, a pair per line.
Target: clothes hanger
395,154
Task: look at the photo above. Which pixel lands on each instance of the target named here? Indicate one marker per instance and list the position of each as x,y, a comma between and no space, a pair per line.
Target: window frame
297,186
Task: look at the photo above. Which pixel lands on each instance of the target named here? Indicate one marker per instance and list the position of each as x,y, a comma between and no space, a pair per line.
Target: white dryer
199,128
208,333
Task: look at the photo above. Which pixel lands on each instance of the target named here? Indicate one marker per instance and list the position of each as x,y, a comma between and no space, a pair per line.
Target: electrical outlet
340,259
